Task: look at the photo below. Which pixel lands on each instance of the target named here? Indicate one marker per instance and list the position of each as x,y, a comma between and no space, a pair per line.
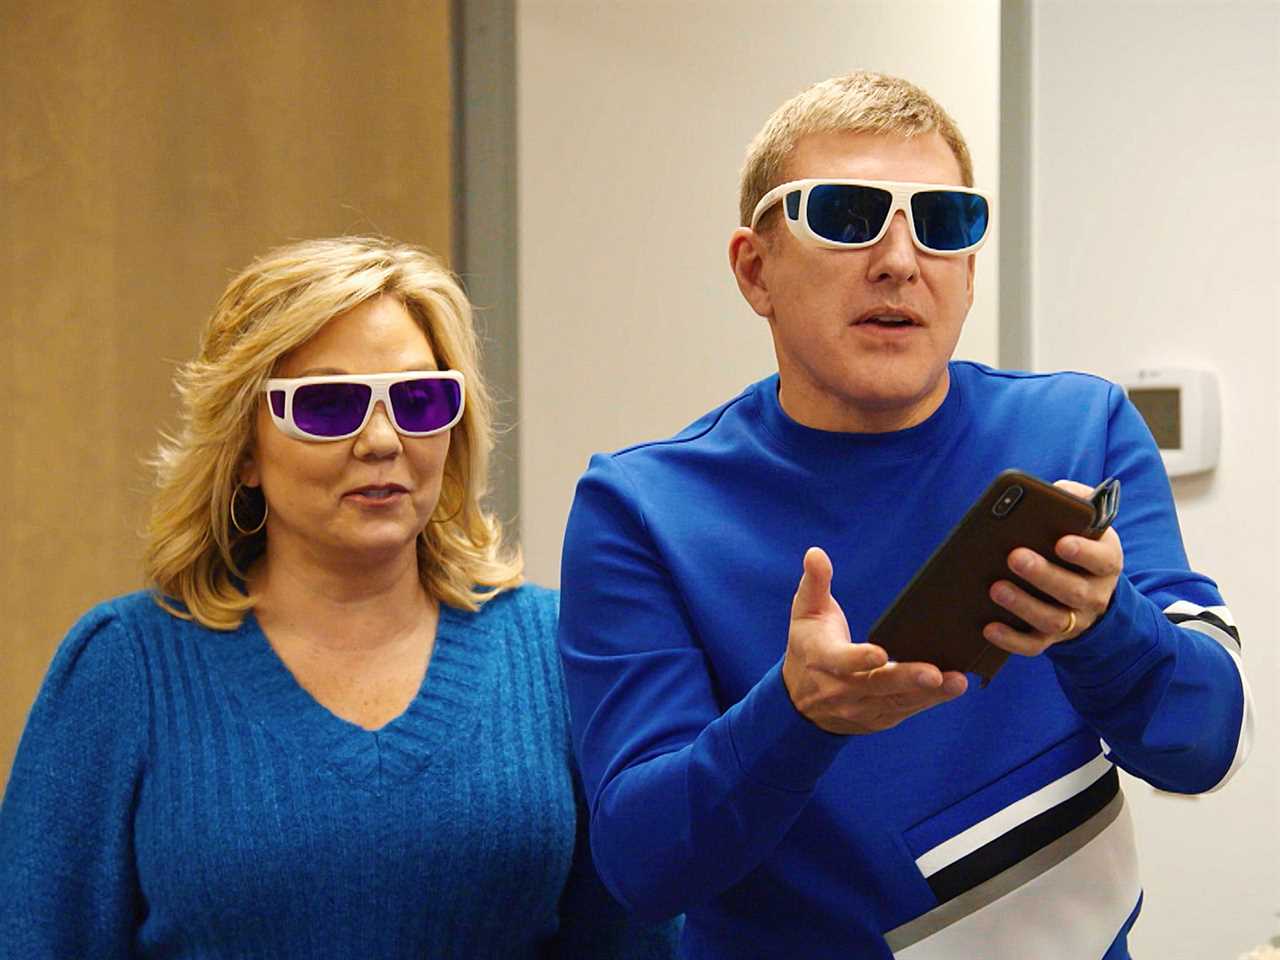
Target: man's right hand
845,687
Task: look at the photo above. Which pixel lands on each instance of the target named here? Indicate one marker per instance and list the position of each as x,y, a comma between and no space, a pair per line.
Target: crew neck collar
894,444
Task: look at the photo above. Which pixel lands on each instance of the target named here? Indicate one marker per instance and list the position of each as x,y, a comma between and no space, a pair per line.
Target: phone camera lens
1007,501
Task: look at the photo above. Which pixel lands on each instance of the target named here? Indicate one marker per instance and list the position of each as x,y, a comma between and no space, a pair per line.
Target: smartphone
939,615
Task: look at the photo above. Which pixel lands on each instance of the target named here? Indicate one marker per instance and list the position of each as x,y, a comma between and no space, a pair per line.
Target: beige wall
148,150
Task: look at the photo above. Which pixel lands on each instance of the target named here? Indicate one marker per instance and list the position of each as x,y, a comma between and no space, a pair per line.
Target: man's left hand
1082,596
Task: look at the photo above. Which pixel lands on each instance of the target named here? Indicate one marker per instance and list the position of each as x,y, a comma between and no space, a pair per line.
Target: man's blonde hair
859,102
195,556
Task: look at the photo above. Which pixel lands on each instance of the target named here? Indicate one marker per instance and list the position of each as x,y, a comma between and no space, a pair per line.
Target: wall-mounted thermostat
1182,409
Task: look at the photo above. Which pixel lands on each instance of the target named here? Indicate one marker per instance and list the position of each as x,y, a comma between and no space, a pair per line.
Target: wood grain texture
148,151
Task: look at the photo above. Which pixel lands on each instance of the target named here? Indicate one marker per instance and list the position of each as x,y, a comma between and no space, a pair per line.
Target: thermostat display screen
1162,410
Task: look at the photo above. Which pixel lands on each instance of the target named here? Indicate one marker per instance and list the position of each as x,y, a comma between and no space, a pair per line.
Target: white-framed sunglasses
850,214
323,408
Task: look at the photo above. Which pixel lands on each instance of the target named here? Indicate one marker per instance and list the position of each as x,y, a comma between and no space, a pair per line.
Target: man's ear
747,250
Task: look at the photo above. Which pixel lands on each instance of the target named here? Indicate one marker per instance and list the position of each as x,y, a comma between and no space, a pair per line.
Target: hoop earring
235,495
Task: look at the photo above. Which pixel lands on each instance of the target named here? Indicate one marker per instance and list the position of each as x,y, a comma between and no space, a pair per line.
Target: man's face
841,366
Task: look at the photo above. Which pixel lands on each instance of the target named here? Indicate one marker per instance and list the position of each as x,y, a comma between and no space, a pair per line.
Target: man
791,791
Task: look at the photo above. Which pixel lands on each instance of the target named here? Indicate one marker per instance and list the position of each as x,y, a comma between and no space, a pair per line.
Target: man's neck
820,411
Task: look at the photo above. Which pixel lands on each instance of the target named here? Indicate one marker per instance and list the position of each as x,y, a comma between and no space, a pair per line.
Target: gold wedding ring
1071,622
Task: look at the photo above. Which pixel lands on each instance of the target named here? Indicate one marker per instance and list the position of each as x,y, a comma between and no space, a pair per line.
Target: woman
335,727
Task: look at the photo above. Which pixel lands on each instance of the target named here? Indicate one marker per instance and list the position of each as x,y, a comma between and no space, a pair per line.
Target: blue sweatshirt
177,794
991,826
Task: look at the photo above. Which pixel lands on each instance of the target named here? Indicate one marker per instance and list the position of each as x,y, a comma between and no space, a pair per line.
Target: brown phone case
938,617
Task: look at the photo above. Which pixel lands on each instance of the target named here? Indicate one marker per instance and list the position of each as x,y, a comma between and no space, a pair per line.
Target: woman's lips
376,495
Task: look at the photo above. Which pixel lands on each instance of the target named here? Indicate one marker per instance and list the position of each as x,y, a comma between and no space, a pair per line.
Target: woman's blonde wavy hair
195,556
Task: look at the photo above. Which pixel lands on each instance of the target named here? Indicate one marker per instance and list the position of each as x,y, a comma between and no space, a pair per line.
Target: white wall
1156,237
633,120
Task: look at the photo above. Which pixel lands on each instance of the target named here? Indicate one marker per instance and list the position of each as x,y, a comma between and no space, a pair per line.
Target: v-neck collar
437,719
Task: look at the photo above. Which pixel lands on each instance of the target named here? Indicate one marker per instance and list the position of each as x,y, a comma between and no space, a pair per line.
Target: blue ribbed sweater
177,794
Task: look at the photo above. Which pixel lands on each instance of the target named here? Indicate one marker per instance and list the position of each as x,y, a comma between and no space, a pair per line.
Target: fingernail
1003,594
1021,563
1069,549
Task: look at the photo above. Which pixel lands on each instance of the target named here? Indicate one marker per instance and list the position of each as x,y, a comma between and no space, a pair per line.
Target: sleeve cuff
775,744
1116,642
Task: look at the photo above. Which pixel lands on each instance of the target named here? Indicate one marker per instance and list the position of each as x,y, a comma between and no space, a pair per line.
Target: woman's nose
379,436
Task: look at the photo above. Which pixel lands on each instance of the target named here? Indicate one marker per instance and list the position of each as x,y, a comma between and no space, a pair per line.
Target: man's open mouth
887,320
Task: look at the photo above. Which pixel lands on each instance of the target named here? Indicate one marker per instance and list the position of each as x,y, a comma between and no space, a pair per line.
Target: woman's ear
248,474
747,250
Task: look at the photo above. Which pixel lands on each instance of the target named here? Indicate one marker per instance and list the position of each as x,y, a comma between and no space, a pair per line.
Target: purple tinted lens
422,405
330,409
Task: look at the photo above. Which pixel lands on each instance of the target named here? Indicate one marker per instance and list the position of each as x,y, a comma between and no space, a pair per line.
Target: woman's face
329,502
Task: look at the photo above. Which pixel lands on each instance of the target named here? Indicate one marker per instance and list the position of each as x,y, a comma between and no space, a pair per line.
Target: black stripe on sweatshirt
1023,840
1212,619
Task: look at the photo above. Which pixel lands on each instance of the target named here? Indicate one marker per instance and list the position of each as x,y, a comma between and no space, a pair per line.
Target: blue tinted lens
422,405
793,205
330,409
948,219
847,213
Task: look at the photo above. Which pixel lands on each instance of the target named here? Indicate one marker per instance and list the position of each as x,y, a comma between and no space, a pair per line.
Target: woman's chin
375,546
